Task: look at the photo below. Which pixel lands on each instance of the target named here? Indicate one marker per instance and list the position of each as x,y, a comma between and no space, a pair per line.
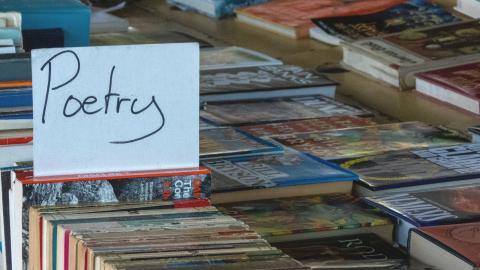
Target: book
470,8
273,176
228,142
15,67
414,170
411,14
362,251
214,8
276,110
457,86
15,97
233,57
15,136
447,205
300,218
395,58
447,247
292,18
475,132
364,141
307,125
25,190
263,82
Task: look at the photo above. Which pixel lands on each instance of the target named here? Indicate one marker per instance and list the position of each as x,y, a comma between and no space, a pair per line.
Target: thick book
307,125
394,59
228,142
447,247
364,141
214,8
458,86
309,217
470,8
411,14
276,110
263,82
233,57
362,251
446,205
25,190
423,169
293,17
272,176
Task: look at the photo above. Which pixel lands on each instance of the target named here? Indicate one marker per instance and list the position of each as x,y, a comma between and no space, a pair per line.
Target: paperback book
396,58
24,191
300,218
411,14
273,176
448,205
228,142
293,17
412,170
233,57
363,141
307,125
458,86
262,82
214,8
276,110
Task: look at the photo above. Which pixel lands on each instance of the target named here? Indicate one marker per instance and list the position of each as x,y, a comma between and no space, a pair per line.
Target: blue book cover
16,115
228,142
416,167
412,14
288,169
450,205
16,98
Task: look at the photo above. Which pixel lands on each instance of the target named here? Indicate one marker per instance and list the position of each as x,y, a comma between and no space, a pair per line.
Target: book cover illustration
307,125
298,13
259,78
267,171
342,252
436,207
279,217
409,15
227,141
462,239
363,141
405,168
453,40
274,110
463,79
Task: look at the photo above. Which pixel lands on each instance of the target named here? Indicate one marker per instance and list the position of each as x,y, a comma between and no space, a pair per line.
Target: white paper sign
115,108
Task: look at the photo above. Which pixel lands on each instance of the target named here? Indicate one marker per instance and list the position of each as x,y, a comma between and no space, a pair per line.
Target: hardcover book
227,142
276,110
249,178
416,169
362,251
307,125
458,86
445,205
363,141
395,58
25,190
263,82
447,247
411,14
301,218
293,17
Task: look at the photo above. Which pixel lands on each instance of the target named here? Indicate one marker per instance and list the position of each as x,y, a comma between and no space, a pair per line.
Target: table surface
152,20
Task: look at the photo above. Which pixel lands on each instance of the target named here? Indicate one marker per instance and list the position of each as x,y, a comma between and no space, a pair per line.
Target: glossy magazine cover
363,141
407,168
407,16
288,169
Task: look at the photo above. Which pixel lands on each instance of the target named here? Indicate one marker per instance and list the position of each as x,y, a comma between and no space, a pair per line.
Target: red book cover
462,239
299,13
463,79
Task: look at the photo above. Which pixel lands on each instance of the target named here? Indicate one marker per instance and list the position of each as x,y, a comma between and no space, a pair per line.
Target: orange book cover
297,14
15,84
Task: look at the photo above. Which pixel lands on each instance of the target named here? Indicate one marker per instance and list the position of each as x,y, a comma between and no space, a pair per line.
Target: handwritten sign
115,108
